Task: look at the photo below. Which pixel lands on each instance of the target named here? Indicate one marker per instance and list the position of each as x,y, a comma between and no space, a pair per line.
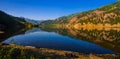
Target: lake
68,40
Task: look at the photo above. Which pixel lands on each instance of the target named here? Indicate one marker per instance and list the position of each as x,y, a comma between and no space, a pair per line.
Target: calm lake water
54,40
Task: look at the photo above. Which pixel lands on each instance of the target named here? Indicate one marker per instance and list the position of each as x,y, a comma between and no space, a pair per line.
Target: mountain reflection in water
84,41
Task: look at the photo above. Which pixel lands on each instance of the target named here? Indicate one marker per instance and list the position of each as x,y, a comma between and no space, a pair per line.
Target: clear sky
49,9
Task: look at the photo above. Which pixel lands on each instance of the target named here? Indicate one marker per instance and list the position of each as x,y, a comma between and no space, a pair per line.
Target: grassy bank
21,52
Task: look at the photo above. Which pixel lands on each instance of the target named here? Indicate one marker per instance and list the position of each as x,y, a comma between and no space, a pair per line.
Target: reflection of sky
49,9
56,41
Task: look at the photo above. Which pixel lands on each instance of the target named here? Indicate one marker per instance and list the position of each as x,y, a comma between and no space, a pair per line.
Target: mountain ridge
108,16
9,22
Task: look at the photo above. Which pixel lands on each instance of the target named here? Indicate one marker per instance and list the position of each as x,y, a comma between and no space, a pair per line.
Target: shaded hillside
9,25
8,21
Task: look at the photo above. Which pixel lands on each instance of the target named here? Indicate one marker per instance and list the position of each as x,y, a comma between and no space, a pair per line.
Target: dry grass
37,53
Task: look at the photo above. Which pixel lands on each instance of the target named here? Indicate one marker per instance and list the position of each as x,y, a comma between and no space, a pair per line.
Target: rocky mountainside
108,16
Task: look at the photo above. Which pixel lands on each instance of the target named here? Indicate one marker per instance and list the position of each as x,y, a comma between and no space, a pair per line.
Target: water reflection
67,39
106,37
8,33
98,27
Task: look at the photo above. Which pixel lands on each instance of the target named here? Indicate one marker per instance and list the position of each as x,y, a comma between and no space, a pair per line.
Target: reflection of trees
9,33
107,37
91,26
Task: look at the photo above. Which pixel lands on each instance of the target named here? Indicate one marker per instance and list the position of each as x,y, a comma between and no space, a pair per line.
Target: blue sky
49,9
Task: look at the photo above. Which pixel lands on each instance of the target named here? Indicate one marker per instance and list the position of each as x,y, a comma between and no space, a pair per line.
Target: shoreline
33,47
61,53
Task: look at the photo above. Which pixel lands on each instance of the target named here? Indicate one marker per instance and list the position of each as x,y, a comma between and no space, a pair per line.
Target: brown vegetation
99,26
37,53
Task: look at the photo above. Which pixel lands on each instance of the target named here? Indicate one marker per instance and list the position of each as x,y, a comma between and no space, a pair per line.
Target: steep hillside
108,16
9,22
60,20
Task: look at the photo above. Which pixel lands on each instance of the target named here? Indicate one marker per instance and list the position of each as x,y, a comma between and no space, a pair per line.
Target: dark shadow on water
12,32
